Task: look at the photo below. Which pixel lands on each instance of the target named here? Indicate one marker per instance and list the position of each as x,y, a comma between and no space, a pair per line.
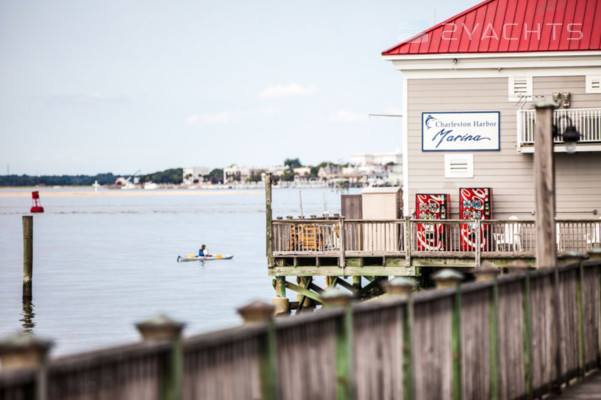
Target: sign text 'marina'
461,131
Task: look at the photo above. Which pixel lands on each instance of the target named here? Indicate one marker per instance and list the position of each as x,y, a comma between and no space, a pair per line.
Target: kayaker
203,252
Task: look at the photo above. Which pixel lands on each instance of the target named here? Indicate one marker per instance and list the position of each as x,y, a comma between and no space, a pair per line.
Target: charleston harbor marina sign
461,131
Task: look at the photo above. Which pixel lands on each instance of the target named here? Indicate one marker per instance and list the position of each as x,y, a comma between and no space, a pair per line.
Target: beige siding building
456,92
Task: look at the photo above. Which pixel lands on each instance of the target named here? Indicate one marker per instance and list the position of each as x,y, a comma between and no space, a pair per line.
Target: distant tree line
169,176
57,180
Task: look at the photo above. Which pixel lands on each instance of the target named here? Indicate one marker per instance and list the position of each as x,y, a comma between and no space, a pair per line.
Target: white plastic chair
513,234
593,236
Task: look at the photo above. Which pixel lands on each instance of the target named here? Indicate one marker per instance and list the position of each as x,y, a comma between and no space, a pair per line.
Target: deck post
163,328
268,221
342,242
27,257
24,351
544,174
407,241
478,247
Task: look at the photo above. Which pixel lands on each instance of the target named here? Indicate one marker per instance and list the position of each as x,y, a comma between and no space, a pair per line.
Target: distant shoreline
125,193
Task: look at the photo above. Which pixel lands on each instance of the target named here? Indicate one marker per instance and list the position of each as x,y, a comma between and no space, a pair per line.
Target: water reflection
28,315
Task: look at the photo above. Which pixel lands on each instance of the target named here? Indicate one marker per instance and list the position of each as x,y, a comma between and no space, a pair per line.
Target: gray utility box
385,205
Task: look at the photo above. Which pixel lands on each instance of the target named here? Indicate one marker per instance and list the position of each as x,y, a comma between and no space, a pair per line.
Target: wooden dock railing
516,336
408,238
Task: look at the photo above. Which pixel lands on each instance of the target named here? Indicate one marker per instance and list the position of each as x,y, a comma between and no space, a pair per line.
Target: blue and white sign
461,131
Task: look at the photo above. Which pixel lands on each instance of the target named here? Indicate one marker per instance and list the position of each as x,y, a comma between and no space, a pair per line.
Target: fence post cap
399,286
545,104
23,350
518,265
594,253
447,278
160,327
573,256
486,271
448,274
334,297
256,311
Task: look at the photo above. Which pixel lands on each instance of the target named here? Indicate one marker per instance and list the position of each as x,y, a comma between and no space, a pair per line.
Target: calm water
102,263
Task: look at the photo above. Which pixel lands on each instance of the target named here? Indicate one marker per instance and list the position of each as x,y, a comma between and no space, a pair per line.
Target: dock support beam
280,301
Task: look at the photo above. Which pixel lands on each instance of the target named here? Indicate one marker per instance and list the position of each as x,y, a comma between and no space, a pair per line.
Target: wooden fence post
521,266
23,351
448,278
163,328
345,376
260,312
408,375
495,381
27,257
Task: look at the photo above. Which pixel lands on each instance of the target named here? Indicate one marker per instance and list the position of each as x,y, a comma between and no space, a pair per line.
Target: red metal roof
512,26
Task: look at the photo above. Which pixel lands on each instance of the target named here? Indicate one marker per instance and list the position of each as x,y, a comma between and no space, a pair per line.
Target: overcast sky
119,86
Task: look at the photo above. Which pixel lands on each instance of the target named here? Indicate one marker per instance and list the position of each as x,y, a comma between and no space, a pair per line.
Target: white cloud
348,116
291,90
209,118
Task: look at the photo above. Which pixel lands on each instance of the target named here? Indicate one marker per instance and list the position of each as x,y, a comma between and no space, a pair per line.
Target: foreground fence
516,336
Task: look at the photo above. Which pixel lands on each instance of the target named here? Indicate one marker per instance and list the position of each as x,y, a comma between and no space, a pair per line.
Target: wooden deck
339,247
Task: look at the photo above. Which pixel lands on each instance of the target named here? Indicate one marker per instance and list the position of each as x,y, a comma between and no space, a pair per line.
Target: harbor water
103,261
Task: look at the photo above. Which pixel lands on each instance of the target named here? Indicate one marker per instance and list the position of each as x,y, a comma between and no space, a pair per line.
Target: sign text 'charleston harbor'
461,131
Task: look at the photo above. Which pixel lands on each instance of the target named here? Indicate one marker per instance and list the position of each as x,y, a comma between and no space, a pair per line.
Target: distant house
468,87
376,159
236,173
194,175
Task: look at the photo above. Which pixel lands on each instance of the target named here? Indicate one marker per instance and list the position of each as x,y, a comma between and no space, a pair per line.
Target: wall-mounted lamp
566,99
562,99
570,135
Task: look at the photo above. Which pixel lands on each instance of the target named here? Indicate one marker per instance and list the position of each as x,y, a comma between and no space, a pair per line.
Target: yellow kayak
194,257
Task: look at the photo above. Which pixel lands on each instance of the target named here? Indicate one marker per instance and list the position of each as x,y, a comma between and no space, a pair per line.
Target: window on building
520,88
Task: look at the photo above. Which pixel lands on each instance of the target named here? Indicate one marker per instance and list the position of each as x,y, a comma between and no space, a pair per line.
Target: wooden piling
27,257
280,301
268,222
544,174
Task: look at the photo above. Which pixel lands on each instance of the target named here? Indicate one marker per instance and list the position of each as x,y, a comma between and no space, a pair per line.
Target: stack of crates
305,238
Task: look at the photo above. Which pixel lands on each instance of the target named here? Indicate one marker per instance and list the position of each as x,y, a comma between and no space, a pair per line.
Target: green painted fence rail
505,338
